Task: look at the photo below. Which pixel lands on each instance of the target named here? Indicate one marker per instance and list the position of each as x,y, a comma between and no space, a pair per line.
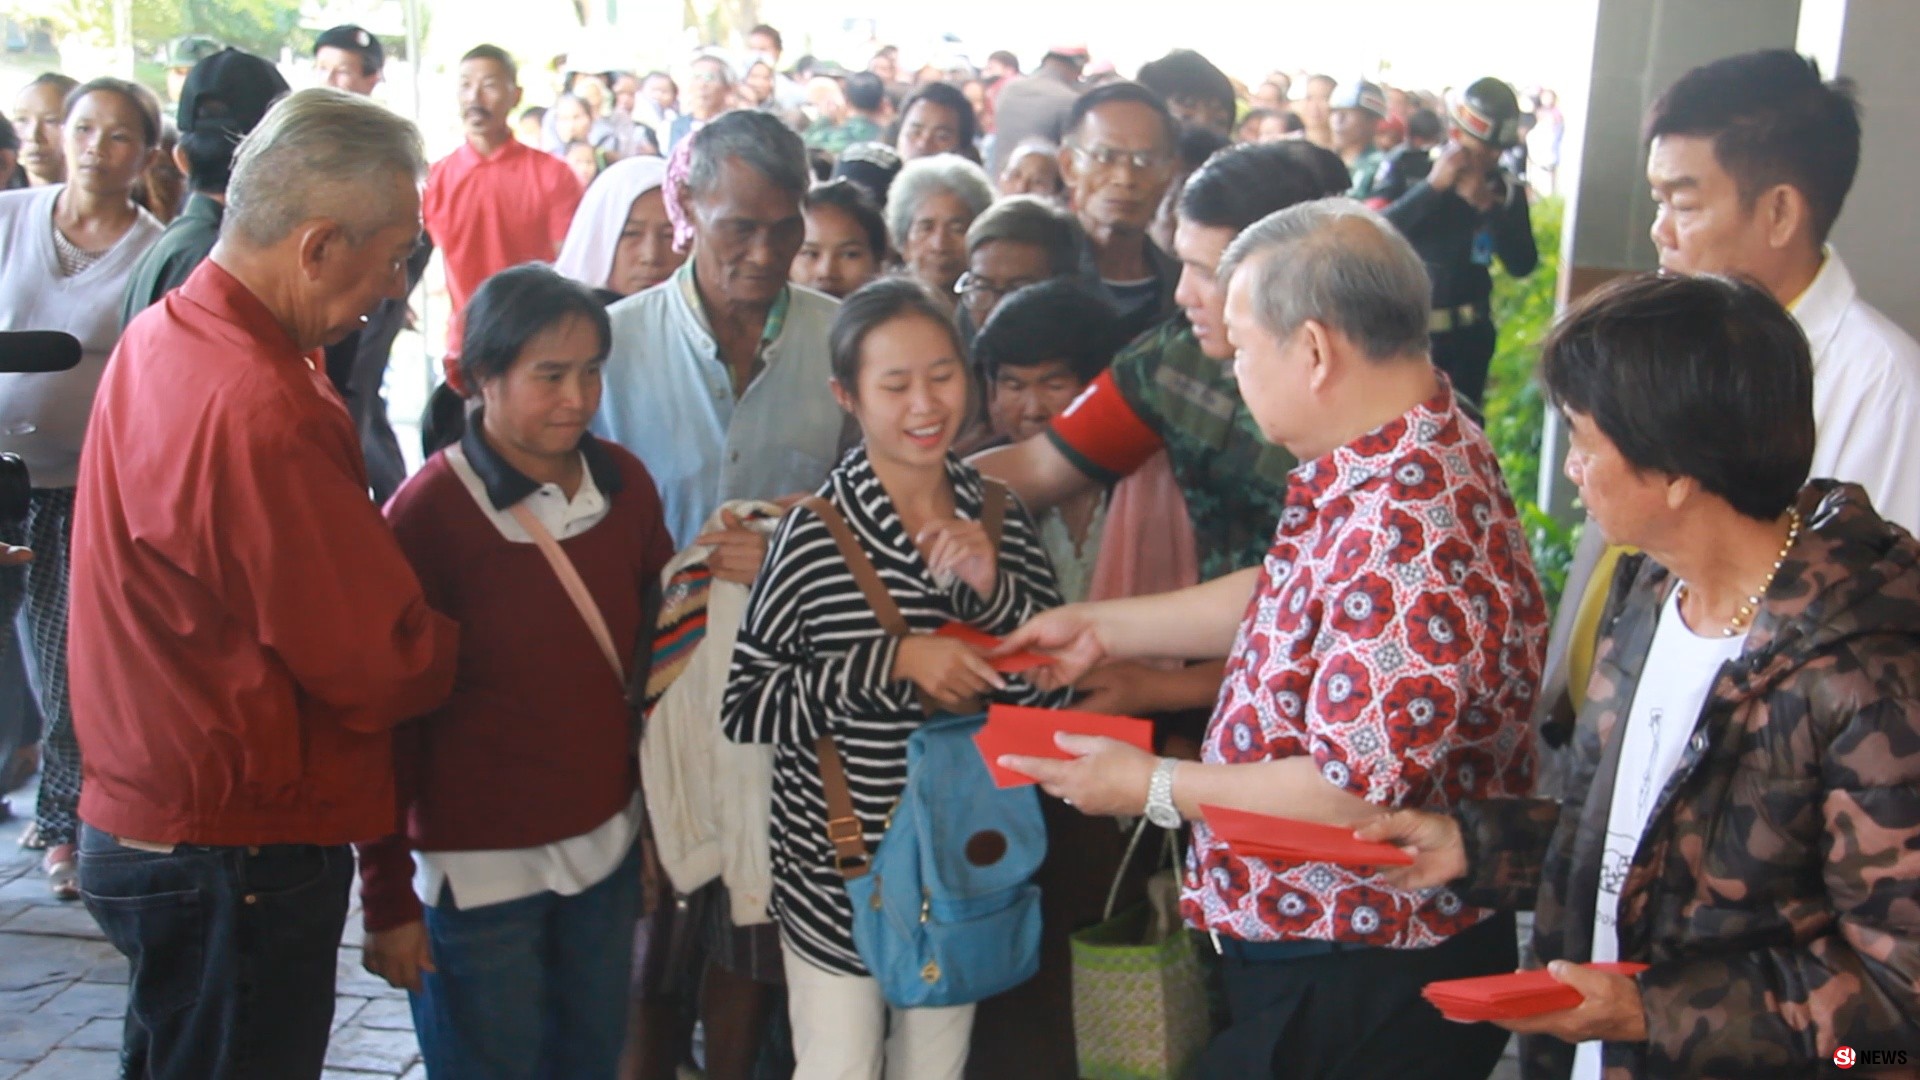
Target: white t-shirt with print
1680,671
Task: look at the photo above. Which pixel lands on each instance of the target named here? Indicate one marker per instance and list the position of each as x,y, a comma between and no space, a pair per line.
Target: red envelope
1511,996
1018,729
1278,839
1011,664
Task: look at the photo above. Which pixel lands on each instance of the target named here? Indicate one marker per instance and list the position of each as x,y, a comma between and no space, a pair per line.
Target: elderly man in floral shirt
1385,655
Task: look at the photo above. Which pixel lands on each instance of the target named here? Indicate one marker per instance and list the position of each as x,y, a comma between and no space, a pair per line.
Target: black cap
871,166
230,90
354,39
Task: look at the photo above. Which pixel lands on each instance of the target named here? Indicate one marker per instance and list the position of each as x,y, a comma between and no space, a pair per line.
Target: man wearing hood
1742,807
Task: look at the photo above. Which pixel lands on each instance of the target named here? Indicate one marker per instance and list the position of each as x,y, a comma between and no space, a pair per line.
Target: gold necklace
1751,605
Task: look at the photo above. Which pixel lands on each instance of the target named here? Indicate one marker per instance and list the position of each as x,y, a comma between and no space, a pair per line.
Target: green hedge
1523,309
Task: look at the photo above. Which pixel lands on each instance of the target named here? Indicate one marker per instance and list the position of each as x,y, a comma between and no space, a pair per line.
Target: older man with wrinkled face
719,382
717,379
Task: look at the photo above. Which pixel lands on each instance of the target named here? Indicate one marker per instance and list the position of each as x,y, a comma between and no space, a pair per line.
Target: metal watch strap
1160,792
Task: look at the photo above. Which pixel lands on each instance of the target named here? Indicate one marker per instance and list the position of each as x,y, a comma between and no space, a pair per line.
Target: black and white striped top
811,657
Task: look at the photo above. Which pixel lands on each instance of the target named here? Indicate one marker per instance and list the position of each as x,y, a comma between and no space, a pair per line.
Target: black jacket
1445,229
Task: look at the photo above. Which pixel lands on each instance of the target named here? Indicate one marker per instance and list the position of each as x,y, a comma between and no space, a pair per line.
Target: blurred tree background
1523,309
258,26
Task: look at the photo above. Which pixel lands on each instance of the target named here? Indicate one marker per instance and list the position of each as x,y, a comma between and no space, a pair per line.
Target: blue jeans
231,951
530,988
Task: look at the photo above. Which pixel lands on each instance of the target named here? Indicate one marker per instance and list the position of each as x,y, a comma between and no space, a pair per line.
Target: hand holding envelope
1010,664
1512,996
1284,840
1018,731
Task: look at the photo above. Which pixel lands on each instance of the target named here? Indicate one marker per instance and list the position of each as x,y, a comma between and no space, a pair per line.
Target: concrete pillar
1640,47
1871,42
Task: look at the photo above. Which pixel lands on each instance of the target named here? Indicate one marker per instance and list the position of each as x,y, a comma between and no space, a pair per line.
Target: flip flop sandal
63,872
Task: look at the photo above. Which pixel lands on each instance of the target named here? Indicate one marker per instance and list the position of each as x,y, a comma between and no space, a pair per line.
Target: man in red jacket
244,628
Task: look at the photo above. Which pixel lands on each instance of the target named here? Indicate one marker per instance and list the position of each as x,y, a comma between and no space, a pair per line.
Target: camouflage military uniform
1774,891
1234,480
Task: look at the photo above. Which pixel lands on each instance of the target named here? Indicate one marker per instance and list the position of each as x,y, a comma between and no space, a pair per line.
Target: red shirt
536,744
488,213
243,629
1397,637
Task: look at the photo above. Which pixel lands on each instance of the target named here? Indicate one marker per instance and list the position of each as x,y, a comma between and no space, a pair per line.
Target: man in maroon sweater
520,795
244,630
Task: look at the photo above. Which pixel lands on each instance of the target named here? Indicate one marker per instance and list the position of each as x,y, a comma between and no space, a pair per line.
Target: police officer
1357,107
1459,209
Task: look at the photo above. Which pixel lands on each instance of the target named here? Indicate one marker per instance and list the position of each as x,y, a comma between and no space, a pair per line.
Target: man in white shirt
1750,159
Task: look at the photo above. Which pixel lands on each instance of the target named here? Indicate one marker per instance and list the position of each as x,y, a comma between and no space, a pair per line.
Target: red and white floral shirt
1397,636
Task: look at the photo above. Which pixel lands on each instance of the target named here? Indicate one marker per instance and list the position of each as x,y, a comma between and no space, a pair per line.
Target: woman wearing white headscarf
621,240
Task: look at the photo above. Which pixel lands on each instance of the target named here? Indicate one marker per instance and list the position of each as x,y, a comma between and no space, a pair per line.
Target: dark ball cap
871,167
229,90
354,39
1489,110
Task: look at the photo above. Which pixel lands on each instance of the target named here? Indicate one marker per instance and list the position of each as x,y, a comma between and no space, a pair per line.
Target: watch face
1166,817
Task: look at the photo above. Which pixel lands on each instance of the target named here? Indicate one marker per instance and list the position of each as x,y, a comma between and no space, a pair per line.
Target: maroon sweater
535,745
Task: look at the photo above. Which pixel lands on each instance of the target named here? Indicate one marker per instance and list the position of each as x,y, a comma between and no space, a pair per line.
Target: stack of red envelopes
1511,996
1284,840
1011,664
1017,729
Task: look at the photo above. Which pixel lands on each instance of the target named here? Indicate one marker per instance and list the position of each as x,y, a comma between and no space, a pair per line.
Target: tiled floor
62,991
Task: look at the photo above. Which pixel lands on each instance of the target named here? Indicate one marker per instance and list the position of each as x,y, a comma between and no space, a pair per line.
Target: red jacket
536,744
243,629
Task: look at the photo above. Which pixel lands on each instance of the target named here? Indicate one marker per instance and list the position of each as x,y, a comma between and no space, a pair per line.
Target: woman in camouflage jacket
1775,889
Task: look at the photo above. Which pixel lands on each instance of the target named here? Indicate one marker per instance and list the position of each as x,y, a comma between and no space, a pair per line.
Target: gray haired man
1385,654
718,383
718,377
244,630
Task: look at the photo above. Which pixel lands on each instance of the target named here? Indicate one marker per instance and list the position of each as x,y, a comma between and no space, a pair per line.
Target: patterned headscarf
679,170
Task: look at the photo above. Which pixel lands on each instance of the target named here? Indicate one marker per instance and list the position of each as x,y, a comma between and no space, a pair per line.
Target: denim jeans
530,988
232,954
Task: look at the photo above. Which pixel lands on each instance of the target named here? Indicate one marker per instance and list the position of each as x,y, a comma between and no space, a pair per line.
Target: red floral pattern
1396,635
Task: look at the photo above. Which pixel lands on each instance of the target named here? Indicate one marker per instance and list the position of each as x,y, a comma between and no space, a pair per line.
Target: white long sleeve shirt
1866,394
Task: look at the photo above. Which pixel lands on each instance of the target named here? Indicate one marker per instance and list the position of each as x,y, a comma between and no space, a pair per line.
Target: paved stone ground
63,990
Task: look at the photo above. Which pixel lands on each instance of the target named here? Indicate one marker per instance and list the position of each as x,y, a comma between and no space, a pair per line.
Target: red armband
1102,434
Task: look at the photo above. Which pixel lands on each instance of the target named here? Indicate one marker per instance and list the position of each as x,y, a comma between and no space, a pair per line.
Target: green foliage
1523,309
258,26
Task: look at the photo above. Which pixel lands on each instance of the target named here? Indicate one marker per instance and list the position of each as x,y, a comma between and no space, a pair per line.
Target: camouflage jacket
1776,891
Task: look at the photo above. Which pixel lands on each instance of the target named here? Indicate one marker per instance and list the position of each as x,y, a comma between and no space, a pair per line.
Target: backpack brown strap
993,510
850,857
861,567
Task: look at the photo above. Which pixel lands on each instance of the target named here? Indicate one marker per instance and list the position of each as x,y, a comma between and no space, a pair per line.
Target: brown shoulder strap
850,857
993,510
843,825
861,567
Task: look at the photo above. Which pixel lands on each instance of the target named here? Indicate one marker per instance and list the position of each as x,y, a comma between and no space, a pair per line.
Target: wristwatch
1160,808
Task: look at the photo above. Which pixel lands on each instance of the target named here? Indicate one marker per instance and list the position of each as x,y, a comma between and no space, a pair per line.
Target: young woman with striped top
812,658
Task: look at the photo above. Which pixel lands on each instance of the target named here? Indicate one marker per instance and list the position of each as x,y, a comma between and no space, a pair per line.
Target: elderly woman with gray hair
930,206
244,630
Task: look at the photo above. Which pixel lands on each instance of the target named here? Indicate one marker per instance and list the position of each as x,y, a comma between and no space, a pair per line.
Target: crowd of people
752,391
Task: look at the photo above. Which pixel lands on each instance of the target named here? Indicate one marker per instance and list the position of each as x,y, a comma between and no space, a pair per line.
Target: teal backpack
945,911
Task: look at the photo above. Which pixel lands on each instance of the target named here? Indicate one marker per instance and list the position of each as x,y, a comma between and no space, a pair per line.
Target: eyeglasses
1107,157
974,287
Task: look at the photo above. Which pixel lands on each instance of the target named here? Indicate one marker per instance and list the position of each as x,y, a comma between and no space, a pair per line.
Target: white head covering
587,255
